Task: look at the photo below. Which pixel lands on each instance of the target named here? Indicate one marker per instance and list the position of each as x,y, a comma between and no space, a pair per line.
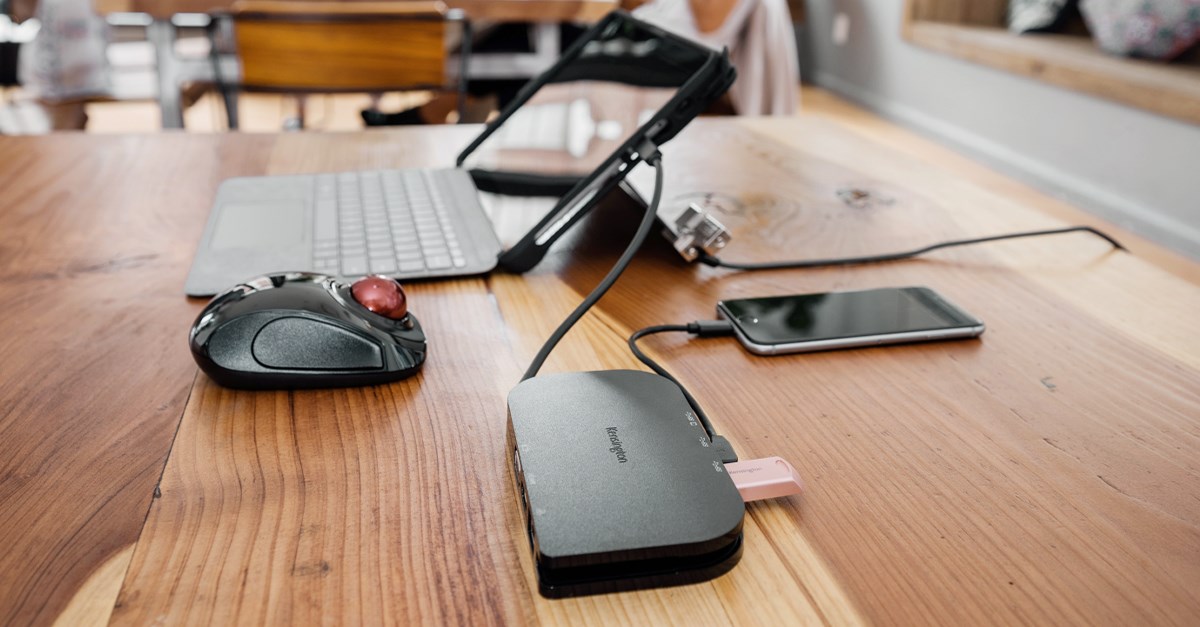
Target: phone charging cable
700,328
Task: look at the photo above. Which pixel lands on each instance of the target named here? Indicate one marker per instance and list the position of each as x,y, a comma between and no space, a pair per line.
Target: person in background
760,39
699,16
758,34
67,63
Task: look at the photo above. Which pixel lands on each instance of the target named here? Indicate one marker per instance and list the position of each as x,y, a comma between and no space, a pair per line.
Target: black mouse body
302,330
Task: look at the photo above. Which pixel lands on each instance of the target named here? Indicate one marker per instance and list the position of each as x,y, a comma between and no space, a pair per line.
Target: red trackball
381,295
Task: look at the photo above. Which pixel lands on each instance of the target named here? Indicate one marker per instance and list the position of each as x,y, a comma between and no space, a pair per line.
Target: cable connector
710,328
702,328
724,449
695,234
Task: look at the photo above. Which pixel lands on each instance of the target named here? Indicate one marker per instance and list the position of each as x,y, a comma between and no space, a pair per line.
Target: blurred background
1096,101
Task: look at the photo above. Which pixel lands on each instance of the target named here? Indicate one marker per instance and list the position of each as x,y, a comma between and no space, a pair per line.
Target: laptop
570,136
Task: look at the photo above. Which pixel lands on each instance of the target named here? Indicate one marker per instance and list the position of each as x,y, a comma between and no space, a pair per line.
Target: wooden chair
306,47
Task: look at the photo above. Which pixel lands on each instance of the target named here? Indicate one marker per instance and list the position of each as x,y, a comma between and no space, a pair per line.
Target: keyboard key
385,222
354,266
325,224
383,266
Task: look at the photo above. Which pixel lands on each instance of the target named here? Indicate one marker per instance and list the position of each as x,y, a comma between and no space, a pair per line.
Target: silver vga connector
695,230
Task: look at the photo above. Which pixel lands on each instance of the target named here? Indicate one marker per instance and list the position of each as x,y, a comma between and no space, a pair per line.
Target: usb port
519,475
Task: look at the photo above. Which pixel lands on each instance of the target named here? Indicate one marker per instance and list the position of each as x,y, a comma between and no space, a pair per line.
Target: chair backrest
298,46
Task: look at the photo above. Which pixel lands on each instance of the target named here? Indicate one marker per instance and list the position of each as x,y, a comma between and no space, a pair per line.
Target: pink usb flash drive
766,478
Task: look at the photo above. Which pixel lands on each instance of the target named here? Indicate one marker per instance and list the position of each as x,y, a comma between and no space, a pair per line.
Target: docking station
620,486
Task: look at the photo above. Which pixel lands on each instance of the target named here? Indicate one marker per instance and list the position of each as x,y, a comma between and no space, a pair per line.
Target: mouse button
296,343
226,343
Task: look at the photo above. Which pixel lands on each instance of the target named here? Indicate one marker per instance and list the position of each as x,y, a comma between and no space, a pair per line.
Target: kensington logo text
616,445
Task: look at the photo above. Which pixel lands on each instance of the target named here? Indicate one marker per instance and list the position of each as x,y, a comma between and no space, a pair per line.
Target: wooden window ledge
1069,61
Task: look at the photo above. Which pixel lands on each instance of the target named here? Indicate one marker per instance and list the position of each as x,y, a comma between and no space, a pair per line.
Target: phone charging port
519,474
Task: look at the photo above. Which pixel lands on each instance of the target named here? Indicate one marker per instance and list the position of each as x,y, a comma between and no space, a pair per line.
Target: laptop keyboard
382,222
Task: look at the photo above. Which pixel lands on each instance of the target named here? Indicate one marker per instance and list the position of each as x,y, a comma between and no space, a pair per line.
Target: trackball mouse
304,330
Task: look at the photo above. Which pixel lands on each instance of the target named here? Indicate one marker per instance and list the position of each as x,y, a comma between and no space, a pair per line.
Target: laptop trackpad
263,225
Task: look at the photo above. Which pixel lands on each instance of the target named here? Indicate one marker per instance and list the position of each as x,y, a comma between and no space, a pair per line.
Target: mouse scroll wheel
381,295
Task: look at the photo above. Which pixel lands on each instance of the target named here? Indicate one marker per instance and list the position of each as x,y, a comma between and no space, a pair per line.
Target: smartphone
815,322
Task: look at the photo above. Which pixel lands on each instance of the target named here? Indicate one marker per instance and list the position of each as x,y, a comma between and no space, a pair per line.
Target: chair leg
297,123
230,97
217,30
463,67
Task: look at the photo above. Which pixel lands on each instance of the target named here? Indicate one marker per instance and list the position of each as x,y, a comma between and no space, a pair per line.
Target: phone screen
837,315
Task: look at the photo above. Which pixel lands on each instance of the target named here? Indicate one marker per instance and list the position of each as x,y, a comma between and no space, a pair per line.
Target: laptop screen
572,120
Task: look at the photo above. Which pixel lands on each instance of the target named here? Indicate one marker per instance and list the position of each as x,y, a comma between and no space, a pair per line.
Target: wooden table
1046,474
174,71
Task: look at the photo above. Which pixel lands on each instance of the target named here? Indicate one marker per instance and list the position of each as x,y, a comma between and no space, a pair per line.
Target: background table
1047,473
173,71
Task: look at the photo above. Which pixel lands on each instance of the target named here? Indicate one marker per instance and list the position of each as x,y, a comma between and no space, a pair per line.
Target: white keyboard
382,222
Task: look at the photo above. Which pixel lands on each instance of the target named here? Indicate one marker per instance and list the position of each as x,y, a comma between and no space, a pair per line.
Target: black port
519,474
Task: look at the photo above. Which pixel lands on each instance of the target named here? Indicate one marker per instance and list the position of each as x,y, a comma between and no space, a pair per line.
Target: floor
258,112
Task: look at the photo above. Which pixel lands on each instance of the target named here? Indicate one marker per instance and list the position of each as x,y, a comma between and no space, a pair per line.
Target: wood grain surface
95,237
1042,455
279,51
1045,473
981,12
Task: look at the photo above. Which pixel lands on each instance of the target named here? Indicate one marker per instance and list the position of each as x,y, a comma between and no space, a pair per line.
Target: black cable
705,328
662,372
638,238
716,262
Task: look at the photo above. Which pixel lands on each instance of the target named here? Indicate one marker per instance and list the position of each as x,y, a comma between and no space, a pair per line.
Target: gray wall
1134,168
